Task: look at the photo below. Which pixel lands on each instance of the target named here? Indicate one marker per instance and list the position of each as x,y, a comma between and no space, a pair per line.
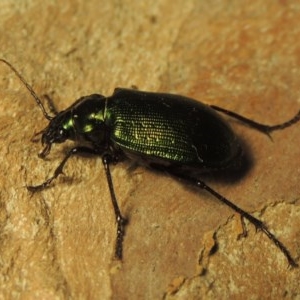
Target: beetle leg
259,225
267,129
120,220
59,169
106,159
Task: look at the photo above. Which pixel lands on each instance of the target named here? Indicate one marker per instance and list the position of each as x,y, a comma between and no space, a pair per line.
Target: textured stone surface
244,56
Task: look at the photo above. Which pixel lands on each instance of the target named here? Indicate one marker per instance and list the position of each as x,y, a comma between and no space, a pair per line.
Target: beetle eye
61,135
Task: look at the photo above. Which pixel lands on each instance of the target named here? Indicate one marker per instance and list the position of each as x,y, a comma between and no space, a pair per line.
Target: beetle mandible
166,132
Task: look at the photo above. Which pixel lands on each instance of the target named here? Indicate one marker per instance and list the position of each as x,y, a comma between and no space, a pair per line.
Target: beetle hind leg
259,225
266,129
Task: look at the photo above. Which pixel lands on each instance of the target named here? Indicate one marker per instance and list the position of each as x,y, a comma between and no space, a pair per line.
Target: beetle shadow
236,172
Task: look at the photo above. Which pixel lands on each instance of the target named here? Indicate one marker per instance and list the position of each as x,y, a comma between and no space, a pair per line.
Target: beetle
166,132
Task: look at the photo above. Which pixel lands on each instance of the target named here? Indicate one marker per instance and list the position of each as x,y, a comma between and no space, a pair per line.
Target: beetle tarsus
121,223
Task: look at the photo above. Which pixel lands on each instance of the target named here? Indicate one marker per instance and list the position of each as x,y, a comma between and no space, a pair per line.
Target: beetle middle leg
259,225
120,220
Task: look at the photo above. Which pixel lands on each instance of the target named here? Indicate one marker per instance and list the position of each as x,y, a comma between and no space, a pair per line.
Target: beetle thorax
88,120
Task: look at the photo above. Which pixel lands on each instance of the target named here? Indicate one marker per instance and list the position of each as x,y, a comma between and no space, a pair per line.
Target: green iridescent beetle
166,132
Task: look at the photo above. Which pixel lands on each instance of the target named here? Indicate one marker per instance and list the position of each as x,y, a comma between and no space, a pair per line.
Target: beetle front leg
59,169
106,159
120,220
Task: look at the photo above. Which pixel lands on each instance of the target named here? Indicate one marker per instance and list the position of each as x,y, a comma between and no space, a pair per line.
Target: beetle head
58,131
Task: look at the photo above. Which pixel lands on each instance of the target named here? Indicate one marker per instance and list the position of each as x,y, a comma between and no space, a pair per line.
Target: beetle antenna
29,88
